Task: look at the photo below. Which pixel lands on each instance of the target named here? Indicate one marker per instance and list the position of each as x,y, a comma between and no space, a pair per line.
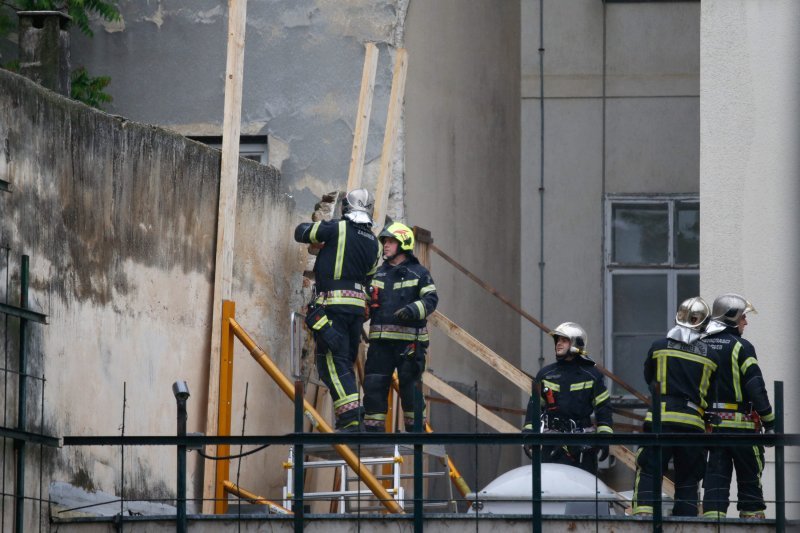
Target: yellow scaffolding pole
287,387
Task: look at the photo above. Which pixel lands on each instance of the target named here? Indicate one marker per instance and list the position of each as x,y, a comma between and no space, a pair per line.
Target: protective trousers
749,463
689,467
383,358
335,357
584,457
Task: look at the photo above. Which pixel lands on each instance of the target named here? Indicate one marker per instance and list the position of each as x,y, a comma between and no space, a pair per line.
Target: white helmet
576,335
357,206
730,307
692,313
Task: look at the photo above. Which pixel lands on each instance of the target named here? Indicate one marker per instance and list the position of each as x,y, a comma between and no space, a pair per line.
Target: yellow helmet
402,233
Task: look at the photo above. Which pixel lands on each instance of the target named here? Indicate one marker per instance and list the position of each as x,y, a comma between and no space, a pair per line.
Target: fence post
780,480
658,512
181,391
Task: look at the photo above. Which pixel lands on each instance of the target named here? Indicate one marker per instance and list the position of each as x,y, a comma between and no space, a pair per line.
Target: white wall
749,103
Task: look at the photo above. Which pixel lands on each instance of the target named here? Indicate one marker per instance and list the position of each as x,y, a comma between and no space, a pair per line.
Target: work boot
752,515
352,427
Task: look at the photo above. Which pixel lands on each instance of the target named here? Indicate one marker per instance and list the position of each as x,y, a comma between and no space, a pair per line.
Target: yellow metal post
288,388
224,415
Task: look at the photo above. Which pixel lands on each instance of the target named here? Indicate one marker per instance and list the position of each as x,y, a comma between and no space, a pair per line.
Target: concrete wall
749,103
302,75
620,117
119,221
462,183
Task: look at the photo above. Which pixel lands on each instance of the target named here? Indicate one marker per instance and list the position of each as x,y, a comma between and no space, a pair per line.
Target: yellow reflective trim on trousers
555,387
347,399
600,398
605,429
582,385
319,323
337,385
376,283
527,426
421,309
714,514
337,269
750,361
426,289
635,502
737,386
757,454
313,235
376,416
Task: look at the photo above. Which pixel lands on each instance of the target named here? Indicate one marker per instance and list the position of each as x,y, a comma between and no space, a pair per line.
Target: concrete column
44,49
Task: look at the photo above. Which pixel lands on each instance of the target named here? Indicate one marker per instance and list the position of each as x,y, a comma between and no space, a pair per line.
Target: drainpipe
181,391
22,401
541,179
44,49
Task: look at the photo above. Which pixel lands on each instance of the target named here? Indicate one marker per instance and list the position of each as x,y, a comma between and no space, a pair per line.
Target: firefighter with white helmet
402,295
740,405
684,368
570,391
348,258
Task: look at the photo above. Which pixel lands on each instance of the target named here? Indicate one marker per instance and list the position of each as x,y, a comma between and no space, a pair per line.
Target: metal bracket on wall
5,186
35,438
20,312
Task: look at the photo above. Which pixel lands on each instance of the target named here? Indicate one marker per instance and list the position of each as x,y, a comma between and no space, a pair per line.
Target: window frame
670,268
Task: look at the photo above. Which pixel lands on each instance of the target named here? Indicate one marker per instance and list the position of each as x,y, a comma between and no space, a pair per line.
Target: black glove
528,449
602,453
405,313
770,431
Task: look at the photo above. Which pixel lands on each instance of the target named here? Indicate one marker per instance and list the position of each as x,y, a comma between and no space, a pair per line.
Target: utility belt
733,416
557,424
342,297
399,333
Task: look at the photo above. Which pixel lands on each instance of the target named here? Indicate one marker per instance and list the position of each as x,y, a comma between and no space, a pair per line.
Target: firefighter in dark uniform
571,389
402,295
348,258
684,367
740,405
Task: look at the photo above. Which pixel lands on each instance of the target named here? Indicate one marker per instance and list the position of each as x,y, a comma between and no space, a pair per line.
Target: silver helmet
692,313
729,308
576,335
357,206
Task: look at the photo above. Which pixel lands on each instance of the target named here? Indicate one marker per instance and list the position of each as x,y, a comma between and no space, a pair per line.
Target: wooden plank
481,351
390,137
226,221
362,118
467,404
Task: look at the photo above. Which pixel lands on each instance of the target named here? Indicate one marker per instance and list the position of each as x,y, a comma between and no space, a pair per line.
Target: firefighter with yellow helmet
402,295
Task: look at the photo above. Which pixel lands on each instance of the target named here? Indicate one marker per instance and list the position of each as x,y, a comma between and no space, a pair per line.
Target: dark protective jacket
686,372
408,285
577,390
342,268
740,386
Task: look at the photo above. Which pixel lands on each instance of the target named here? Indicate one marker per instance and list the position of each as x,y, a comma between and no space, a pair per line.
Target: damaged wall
119,220
302,76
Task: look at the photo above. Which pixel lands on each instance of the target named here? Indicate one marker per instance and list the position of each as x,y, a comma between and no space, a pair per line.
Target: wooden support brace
464,402
226,219
390,137
481,351
362,118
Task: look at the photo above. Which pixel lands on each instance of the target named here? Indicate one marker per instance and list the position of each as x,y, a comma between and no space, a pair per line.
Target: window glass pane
639,303
640,233
629,355
687,233
688,286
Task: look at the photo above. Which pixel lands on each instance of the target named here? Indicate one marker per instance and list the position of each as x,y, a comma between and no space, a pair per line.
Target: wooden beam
362,118
467,404
226,221
482,352
390,137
